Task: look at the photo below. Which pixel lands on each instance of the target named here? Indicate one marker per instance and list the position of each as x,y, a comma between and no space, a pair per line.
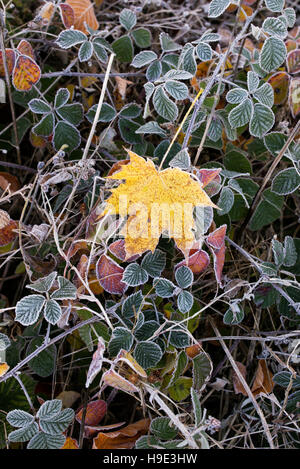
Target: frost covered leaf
154,263
252,81
290,252
109,275
132,304
122,339
272,54
151,128
204,51
50,409
294,96
226,201
181,160
127,19
275,27
163,429
143,58
46,441
241,114
176,89
70,38
113,379
66,290
39,107
185,301
217,7
275,5
24,434
167,44
236,95
184,276
96,363
293,61
19,418
142,37
66,134
135,275
26,73
262,120
163,287
58,423
265,95
286,182
141,178
44,284
164,106
85,51
29,308
147,354
52,312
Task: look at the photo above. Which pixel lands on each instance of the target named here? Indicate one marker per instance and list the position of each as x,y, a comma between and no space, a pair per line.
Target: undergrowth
149,224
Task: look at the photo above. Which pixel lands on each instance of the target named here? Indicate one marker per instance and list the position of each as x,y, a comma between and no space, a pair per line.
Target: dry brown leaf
83,13
9,181
263,382
70,443
122,439
237,385
122,86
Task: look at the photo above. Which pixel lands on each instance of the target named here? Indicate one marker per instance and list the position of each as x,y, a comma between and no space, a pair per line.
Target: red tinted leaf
109,275
197,262
219,259
208,175
117,248
7,233
10,60
25,49
67,15
290,45
293,61
216,238
95,412
280,84
26,73
9,181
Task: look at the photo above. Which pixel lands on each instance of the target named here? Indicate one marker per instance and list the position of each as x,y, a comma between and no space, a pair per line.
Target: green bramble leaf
286,182
142,37
273,54
123,48
70,37
143,58
275,5
127,19
29,308
241,114
217,7
147,354
164,106
262,120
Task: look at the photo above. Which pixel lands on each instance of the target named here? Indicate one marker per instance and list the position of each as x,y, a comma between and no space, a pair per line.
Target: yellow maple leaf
155,202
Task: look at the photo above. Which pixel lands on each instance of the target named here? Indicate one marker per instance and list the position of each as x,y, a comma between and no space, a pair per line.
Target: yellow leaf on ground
155,202
3,368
